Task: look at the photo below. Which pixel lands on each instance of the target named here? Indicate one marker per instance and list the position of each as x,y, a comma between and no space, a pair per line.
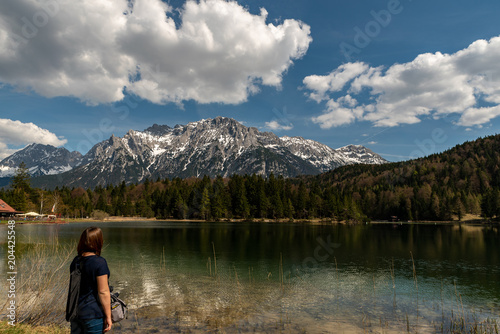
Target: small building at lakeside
6,210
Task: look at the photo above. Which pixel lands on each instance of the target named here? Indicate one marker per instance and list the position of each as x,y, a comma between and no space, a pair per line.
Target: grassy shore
27,329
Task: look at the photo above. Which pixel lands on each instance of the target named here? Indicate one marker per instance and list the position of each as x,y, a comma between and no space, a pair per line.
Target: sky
404,78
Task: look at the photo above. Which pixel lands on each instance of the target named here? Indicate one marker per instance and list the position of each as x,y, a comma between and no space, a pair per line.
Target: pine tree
219,202
181,209
21,180
488,205
205,204
458,206
101,203
288,209
18,200
301,202
276,206
239,202
496,202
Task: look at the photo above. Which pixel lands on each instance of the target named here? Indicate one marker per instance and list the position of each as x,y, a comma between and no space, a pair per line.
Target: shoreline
471,220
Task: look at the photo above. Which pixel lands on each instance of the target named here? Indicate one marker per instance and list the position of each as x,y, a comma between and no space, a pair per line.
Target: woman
94,304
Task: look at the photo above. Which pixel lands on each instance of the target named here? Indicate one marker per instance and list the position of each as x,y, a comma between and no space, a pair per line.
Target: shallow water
267,277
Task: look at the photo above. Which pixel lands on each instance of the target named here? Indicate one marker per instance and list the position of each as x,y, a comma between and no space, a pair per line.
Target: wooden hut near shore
6,210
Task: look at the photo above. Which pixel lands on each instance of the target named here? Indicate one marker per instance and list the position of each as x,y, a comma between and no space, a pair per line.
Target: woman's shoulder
97,260
99,265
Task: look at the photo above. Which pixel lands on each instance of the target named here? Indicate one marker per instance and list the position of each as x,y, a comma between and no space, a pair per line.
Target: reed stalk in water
281,273
215,260
393,285
416,281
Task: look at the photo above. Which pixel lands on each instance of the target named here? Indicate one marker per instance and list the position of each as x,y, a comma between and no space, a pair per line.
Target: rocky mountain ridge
41,160
219,146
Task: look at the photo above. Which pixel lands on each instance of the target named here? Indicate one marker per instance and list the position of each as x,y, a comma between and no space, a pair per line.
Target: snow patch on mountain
40,160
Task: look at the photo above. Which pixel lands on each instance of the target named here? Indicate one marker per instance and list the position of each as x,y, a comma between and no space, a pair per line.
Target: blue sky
404,78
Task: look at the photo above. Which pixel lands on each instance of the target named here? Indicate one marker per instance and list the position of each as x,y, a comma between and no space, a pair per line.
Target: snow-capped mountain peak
40,160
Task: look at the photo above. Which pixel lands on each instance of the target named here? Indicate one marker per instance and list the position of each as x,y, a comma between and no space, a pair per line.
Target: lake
314,278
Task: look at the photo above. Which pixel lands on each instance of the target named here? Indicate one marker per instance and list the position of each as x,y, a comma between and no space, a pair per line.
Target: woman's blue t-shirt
89,306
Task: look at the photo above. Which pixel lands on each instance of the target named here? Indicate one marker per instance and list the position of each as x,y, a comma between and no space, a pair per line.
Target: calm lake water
268,277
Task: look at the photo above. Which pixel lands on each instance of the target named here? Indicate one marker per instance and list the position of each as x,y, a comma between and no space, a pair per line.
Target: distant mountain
212,147
41,160
326,158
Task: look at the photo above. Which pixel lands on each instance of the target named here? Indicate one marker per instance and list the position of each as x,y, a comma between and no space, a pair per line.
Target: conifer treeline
465,179
200,198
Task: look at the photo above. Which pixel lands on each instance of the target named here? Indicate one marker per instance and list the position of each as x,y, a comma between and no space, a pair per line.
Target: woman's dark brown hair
90,241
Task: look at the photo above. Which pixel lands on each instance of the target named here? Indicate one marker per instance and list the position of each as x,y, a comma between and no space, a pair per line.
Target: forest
441,187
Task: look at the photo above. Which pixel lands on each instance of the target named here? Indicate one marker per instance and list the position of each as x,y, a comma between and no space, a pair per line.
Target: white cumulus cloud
340,112
16,133
275,125
466,83
333,82
94,49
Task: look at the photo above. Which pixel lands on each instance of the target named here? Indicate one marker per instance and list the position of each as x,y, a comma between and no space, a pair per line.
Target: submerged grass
224,303
468,323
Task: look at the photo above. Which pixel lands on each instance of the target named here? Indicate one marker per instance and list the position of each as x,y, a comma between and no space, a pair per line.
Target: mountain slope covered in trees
464,179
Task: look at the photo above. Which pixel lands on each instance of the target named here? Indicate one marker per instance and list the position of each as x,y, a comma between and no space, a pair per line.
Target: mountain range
219,146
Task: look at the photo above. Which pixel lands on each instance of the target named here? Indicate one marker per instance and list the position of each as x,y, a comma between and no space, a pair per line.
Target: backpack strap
79,263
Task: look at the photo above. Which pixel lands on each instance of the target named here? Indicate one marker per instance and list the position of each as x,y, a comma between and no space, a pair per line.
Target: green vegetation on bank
27,329
460,181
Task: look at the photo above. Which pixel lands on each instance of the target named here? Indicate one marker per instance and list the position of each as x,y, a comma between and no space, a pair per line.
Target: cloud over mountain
93,50
276,126
17,133
466,83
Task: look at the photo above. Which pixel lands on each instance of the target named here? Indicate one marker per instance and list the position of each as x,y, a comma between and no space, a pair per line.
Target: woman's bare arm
105,298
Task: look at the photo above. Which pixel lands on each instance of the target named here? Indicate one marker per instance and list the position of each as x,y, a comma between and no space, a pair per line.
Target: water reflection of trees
162,270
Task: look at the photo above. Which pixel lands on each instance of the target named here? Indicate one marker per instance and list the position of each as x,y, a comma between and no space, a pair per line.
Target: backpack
118,308
74,291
